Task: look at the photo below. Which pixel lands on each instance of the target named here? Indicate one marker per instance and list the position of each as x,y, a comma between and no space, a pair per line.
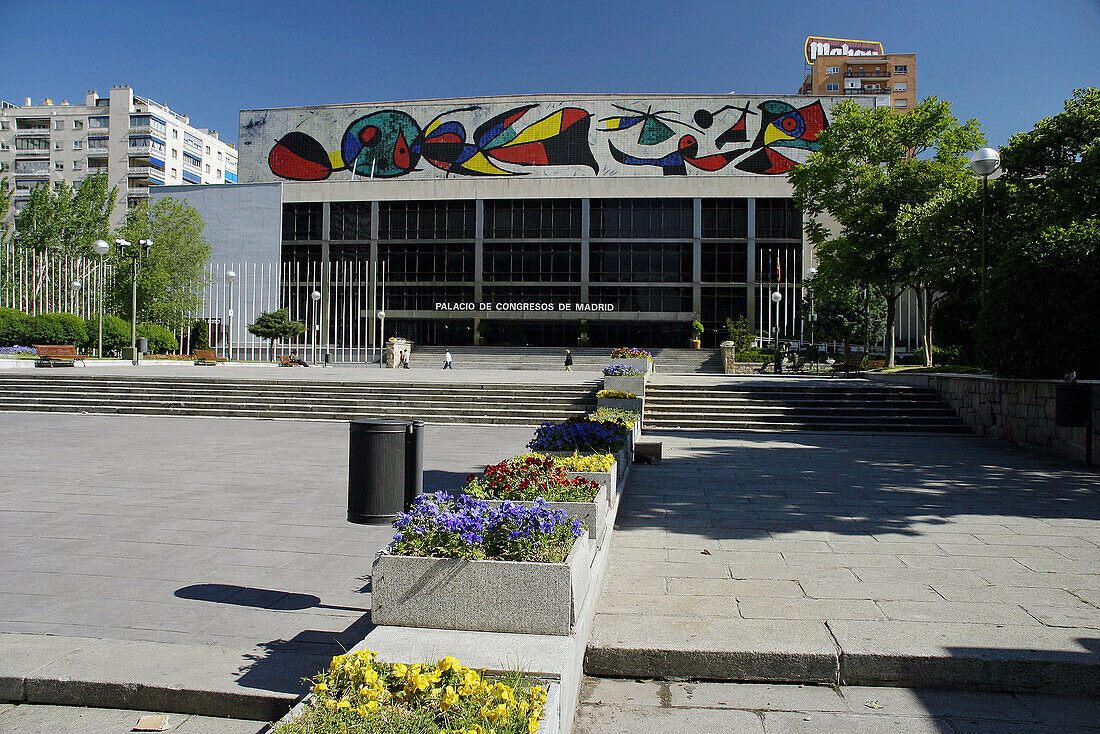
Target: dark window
430,261
778,263
642,299
641,218
426,220
532,218
640,262
424,297
725,262
302,261
718,304
725,218
530,294
778,218
538,261
349,220
346,253
301,222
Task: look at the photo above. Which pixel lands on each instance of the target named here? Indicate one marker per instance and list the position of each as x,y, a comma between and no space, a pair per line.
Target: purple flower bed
620,370
579,435
442,525
18,350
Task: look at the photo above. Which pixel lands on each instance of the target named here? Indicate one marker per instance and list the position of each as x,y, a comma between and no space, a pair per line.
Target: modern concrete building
881,74
530,220
137,142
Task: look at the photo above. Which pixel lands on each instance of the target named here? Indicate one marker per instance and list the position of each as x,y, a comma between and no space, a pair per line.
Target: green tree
173,277
1041,305
276,326
872,163
66,221
846,313
740,334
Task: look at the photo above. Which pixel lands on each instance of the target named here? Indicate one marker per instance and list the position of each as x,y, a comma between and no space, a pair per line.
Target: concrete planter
608,480
593,514
626,383
645,366
483,596
634,405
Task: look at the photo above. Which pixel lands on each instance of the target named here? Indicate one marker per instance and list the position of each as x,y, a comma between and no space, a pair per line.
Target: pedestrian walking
448,362
405,359
568,361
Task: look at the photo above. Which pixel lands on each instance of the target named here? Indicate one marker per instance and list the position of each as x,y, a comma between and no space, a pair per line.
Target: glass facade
528,271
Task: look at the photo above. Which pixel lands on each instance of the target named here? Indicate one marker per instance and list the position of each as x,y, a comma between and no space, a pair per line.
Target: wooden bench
207,356
57,355
876,364
851,363
284,361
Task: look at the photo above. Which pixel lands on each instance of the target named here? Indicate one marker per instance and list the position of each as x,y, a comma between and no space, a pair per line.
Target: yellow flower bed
360,694
577,462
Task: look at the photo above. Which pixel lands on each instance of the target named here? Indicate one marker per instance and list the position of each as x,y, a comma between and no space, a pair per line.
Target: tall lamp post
984,162
230,276
101,248
127,249
811,274
777,297
316,296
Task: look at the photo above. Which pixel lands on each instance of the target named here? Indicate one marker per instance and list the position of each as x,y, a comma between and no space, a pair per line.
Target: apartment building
138,142
881,74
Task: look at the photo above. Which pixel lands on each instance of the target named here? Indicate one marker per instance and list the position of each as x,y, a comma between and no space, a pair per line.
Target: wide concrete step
841,426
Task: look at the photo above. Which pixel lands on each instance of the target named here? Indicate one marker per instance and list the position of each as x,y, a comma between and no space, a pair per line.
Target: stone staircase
295,399
797,405
585,359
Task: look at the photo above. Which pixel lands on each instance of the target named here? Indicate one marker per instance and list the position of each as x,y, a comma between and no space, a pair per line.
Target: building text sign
509,306
818,46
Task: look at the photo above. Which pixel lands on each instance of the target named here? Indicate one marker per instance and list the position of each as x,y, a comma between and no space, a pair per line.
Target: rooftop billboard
818,46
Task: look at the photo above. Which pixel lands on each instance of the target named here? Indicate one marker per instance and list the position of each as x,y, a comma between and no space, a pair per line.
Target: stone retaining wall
1018,411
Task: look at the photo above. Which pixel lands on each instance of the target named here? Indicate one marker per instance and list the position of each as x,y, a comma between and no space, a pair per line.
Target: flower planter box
608,480
627,383
593,514
483,596
641,364
634,405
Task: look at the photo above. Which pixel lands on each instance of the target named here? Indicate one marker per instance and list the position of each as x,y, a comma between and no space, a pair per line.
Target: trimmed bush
161,341
14,328
200,335
56,328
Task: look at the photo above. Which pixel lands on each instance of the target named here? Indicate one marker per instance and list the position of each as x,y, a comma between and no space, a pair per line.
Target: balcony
866,74
866,90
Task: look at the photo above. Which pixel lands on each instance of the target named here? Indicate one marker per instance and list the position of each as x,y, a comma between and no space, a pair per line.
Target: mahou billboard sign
817,46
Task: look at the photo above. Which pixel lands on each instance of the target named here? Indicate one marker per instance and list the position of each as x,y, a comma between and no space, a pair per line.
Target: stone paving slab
927,561
612,706
45,719
205,565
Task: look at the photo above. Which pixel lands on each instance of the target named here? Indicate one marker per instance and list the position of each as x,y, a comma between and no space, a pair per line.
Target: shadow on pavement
738,484
247,596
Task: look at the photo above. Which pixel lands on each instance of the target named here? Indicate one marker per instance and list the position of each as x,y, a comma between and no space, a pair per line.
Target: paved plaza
919,560
211,558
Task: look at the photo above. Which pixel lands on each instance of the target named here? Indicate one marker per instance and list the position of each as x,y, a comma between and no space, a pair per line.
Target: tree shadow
742,484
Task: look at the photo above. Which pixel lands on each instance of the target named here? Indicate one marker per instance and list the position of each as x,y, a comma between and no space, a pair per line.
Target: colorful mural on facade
754,137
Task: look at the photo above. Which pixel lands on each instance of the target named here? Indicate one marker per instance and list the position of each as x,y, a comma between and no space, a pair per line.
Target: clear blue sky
209,59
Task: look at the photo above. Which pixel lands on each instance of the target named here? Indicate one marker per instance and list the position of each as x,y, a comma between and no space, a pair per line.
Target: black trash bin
414,461
377,471
142,345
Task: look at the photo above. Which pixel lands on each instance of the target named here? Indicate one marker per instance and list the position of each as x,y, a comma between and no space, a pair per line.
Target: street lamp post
101,248
382,338
777,297
127,249
984,162
316,296
812,273
230,276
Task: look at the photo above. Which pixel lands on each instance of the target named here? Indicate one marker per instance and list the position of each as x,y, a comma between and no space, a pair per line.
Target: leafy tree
1041,306
67,221
56,328
740,334
276,326
872,163
14,328
172,278
846,313
116,334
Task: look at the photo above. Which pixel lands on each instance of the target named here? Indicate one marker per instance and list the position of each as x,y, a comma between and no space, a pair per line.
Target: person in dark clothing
295,359
568,361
